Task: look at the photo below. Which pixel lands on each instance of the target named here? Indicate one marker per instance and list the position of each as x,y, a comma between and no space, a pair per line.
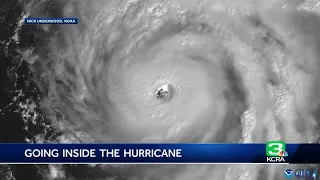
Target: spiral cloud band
178,71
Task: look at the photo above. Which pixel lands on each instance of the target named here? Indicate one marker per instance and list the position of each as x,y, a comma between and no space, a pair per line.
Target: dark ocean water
16,88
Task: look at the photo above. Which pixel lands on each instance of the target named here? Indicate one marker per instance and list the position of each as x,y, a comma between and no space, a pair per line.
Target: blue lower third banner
51,20
158,153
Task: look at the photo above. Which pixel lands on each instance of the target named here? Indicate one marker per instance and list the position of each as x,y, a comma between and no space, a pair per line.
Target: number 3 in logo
273,148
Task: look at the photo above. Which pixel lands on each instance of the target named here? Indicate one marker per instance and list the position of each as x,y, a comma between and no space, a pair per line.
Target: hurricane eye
165,92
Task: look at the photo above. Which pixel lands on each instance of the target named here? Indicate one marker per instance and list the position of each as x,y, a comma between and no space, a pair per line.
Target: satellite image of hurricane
159,71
